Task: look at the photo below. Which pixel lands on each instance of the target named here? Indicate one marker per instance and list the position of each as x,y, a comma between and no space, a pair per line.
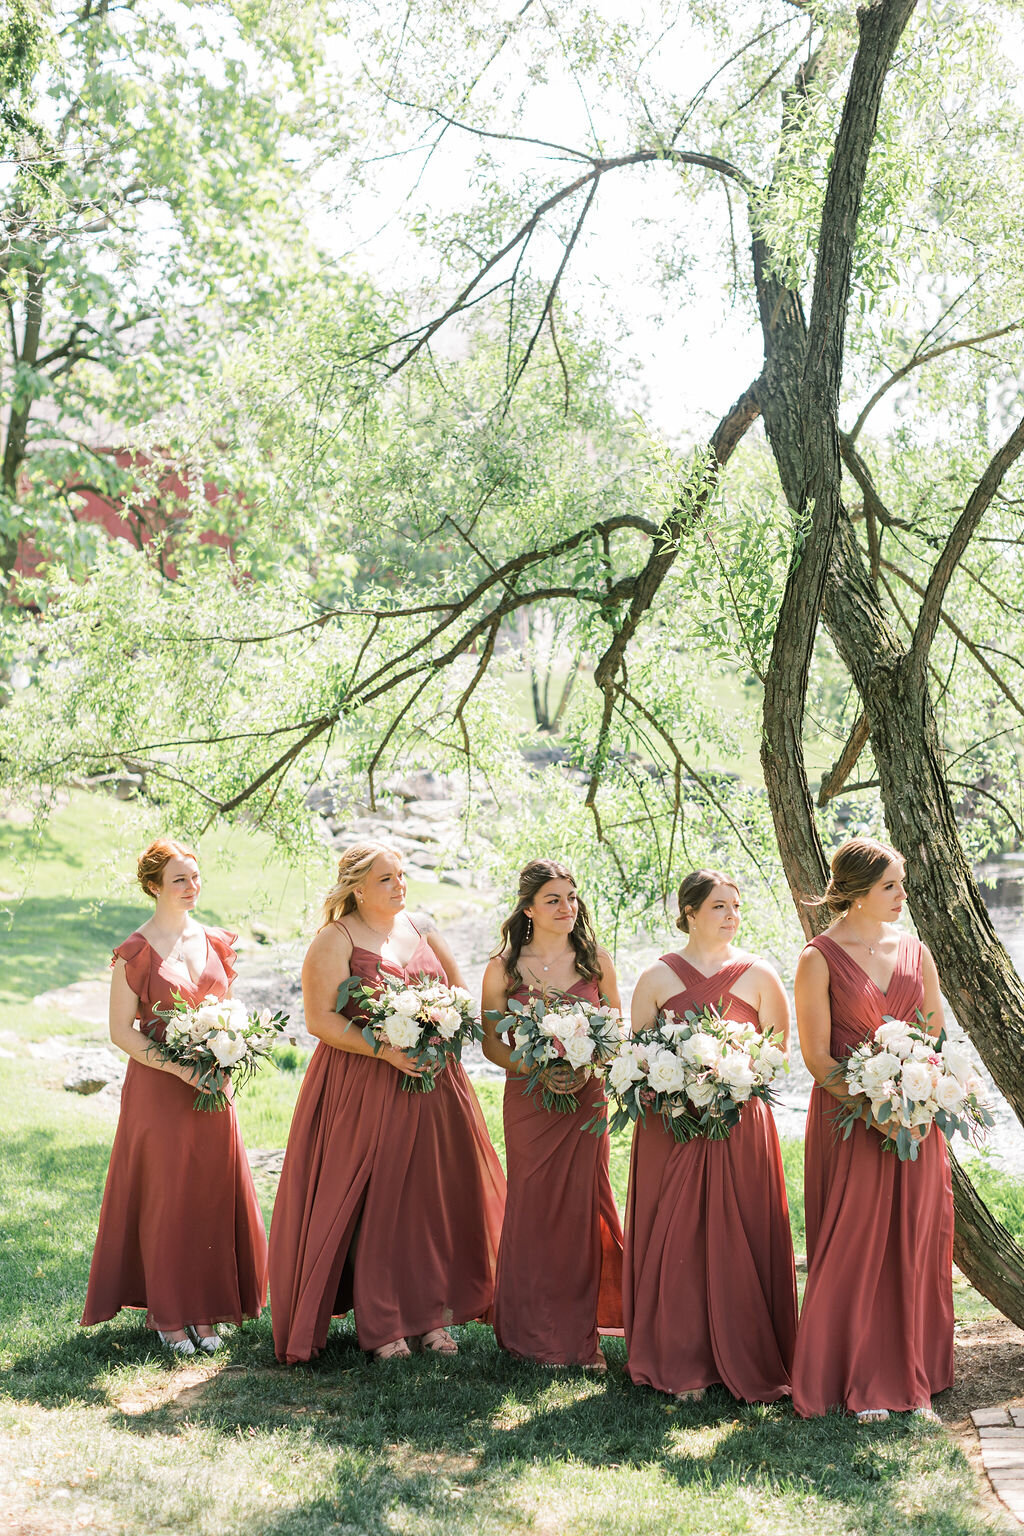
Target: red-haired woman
559,1274
180,1234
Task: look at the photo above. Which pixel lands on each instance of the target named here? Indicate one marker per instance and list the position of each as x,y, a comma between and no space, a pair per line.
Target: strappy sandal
437,1342
872,1415
695,1395
398,1349
599,1365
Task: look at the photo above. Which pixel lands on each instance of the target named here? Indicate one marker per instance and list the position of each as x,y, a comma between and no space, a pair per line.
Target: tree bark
801,422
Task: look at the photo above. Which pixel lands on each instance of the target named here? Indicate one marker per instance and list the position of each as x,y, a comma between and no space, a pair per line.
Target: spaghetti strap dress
389,1202
709,1284
181,1234
876,1329
559,1278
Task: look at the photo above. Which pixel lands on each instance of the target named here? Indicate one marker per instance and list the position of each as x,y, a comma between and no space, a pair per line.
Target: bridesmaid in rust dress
180,1234
876,1330
709,1286
560,1261
389,1202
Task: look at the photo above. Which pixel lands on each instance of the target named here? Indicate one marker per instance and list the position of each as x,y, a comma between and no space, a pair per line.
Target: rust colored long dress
389,1202
709,1285
560,1261
876,1329
180,1233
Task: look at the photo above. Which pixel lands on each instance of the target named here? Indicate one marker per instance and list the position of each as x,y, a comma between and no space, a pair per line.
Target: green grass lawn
100,1433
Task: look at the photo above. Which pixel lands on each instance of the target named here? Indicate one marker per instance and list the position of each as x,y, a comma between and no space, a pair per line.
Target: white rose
735,1070
521,1036
406,1003
957,1059
876,1069
702,1093
949,1094
673,1031
579,1049
921,1050
890,1030
449,1022
461,995
773,1056
205,1018
623,1072
666,1073
228,1049
974,1087
701,1050
402,1031
917,1080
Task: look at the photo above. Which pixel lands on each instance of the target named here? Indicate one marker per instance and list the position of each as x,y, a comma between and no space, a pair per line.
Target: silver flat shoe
183,1347
208,1344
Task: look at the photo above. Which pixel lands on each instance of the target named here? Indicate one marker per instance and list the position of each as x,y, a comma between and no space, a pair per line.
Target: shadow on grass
52,941
434,1435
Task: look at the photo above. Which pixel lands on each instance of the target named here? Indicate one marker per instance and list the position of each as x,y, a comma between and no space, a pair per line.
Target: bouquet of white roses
428,1020
696,1072
569,1030
905,1076
218,1039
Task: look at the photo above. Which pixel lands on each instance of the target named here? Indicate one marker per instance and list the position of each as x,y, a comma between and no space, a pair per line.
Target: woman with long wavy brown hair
559,1274
389,1202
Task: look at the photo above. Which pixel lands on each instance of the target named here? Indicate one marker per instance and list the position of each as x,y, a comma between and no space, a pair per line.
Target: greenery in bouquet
555,1040
220,1041
428,1020
907,1079
696,1072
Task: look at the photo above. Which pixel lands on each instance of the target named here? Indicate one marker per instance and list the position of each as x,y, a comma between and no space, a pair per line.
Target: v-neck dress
876,1329
560,1261
389,1203
181,1233
709,1284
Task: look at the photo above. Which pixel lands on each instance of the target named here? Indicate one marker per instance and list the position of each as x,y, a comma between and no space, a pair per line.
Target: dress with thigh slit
389,1203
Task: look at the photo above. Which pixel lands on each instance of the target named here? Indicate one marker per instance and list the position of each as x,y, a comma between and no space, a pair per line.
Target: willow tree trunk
800,411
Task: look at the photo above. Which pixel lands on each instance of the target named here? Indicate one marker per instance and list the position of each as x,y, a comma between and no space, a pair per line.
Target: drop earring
529,930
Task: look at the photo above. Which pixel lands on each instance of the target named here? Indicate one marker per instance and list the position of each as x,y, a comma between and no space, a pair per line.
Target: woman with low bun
559,1275
180,1233
709,1285
389,1202
876,1329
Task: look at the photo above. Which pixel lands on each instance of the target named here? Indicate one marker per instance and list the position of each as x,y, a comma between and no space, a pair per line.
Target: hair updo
152,863
856,866
532,878
353,867
695,889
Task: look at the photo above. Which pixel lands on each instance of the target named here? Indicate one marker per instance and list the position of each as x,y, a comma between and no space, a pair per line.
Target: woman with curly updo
180,1234
560,1263
709,1281
876,1329
390,1202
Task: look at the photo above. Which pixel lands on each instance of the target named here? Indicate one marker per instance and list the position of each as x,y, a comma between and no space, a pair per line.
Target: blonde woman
389,1202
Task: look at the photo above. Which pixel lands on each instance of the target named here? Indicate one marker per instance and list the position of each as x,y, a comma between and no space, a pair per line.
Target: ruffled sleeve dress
181,1235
